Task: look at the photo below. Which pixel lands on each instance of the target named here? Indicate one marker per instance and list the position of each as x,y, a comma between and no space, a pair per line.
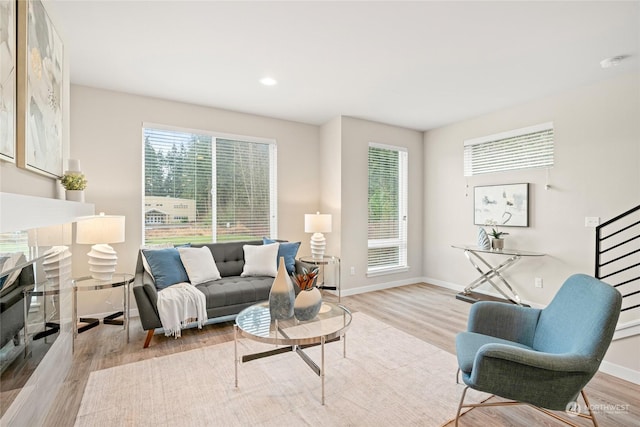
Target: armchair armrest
531,359
506,321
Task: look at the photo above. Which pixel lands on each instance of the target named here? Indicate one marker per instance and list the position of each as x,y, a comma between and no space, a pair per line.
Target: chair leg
464,392
147,341
591,416
458,376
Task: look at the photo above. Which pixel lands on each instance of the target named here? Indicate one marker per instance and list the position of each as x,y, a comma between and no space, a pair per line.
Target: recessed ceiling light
268,81
612,62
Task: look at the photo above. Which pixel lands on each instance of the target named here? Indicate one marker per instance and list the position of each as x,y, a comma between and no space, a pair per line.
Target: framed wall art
504,205
40,85
8,36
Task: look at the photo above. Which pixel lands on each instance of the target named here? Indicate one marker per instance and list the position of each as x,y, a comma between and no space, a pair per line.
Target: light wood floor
428,312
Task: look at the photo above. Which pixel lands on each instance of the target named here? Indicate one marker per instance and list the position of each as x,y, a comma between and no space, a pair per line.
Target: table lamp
99,231
57,259
317,224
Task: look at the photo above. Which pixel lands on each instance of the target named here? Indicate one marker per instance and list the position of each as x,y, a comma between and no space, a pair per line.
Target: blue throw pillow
286,250
166,267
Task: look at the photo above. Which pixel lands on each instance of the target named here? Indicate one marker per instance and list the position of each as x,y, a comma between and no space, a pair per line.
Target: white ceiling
418,65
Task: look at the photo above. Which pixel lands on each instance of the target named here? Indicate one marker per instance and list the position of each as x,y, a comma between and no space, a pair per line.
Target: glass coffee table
288,335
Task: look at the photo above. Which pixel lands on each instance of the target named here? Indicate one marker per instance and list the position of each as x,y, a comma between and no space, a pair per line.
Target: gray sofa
225,297
12,306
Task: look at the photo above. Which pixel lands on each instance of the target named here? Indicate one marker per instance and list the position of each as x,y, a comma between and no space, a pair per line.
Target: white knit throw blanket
179,305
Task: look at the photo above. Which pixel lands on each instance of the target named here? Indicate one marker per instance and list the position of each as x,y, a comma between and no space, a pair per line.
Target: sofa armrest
146,298
507,321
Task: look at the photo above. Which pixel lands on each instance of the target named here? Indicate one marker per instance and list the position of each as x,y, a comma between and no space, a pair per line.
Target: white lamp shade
100,229
53,235
317,223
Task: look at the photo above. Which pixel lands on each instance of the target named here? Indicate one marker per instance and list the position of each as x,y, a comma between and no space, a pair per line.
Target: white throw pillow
199,264
260,260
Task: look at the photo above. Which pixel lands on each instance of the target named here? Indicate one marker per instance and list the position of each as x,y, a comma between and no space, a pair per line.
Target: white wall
331,181
596,173
106,135
356,135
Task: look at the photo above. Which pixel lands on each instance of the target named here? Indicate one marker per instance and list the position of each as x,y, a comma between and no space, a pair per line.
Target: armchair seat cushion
468,344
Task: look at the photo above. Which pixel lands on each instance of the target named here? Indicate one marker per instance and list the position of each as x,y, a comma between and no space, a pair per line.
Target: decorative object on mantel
40,64
282,295
309,300
99,231
483,239
317,224
74,182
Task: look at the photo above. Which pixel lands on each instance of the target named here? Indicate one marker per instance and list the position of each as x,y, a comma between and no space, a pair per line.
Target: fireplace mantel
19,212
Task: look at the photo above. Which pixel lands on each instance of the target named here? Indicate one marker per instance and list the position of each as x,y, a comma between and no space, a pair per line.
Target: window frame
273,181
401,242
510,151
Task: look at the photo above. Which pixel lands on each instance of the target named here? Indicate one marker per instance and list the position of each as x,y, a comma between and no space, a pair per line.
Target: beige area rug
388,378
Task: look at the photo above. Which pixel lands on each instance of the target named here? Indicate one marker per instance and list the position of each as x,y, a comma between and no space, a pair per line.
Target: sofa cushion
166,266
229,256
199,264
260,260
236,290
287,250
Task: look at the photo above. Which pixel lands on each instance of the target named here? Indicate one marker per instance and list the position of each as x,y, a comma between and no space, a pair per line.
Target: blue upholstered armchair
539,357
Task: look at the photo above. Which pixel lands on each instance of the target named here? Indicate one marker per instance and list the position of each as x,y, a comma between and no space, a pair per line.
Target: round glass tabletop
255,323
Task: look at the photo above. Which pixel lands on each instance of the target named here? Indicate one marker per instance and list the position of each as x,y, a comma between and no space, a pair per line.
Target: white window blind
387,218
525,148
202,187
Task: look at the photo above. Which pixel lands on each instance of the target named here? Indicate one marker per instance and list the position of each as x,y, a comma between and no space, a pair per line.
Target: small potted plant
497,242
74,183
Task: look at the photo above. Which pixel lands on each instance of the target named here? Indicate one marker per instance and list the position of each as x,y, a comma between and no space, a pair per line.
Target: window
530,147
206,187
387,225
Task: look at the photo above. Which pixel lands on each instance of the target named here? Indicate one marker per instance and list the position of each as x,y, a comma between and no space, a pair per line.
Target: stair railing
617,243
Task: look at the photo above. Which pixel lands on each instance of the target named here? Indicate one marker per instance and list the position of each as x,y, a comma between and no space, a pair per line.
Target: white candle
74,165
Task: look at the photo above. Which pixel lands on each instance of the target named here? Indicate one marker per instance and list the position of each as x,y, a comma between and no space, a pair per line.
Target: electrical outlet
538,282
353,271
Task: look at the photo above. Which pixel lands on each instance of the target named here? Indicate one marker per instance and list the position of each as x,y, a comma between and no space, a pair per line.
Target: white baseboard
621,372
378,287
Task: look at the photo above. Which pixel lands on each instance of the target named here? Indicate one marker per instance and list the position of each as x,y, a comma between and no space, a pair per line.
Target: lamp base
102,261
318,245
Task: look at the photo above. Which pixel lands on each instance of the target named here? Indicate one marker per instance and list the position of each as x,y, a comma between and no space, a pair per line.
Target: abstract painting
39,91
8,36
504,205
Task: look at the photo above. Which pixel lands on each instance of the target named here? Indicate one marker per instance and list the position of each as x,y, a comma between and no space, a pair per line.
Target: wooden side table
85,284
